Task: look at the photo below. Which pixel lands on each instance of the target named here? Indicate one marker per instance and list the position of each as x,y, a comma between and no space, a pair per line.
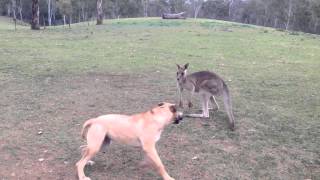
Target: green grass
55,78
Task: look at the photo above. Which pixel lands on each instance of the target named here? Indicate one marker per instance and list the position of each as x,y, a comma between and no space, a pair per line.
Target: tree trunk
197,10
8,9
54,17
82,13
20,13
99,12
64,20
174,16
86,18
145,7
14,6
275,23
49,13
20,10
44,22
70,19
230,9
35,15
197,4
289,14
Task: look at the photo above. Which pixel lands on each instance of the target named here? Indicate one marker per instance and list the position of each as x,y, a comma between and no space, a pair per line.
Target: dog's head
169,112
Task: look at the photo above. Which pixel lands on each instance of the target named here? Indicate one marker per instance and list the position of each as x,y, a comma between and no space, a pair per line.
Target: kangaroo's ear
186,66
179,67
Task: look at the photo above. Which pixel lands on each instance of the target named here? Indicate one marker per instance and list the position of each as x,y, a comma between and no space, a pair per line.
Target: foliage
297,15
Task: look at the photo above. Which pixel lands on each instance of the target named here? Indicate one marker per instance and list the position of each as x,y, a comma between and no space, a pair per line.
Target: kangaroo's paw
195,115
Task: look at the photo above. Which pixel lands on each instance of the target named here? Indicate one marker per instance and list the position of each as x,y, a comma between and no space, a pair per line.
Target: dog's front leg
151,152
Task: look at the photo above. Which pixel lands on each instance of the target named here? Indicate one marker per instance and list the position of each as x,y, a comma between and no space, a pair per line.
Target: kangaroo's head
182,72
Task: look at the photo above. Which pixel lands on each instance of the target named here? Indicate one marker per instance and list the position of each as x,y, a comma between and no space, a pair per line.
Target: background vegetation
298,15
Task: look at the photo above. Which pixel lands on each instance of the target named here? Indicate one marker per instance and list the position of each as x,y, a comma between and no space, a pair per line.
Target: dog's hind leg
95,138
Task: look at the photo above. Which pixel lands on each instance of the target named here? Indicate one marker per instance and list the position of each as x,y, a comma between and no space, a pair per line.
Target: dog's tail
85,128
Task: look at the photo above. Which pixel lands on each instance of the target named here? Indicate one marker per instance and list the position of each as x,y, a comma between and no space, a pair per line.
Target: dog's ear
161,104
179,67
186,66
173,109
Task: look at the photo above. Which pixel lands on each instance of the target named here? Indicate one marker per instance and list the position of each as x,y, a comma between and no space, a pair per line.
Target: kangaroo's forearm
180,89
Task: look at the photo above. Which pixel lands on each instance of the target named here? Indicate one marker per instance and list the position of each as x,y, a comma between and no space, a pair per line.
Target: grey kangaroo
209,85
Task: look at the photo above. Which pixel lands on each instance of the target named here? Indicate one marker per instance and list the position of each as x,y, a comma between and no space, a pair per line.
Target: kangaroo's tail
85,128
228,105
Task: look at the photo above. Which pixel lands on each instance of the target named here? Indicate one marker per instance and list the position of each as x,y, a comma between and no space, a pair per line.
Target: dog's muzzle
178,118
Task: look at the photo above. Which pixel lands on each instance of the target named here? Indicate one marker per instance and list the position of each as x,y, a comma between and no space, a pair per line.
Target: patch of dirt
225,145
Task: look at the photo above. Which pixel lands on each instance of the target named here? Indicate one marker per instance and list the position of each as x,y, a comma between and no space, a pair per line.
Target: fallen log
174,16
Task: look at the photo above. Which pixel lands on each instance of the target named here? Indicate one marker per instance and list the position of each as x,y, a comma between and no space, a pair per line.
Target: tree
49,11
145,7
99,12
230,8
35,15
315,14
290,6
20,10
65,7
197,4
217,9
300,15
14,7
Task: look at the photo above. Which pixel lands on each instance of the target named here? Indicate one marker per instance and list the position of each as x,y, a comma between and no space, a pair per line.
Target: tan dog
143,129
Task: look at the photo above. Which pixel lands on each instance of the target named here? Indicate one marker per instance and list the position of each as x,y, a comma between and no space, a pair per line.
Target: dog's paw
190,104
85,178
169,178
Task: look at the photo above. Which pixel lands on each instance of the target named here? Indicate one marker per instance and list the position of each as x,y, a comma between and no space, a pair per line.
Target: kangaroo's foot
197,115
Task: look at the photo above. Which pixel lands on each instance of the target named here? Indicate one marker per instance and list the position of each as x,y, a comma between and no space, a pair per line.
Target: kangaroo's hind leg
214,103
205,106
205,109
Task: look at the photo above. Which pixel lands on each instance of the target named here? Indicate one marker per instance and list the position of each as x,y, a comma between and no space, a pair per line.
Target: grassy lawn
54,79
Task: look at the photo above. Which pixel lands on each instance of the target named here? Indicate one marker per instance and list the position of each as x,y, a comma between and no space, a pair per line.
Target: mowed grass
54,79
